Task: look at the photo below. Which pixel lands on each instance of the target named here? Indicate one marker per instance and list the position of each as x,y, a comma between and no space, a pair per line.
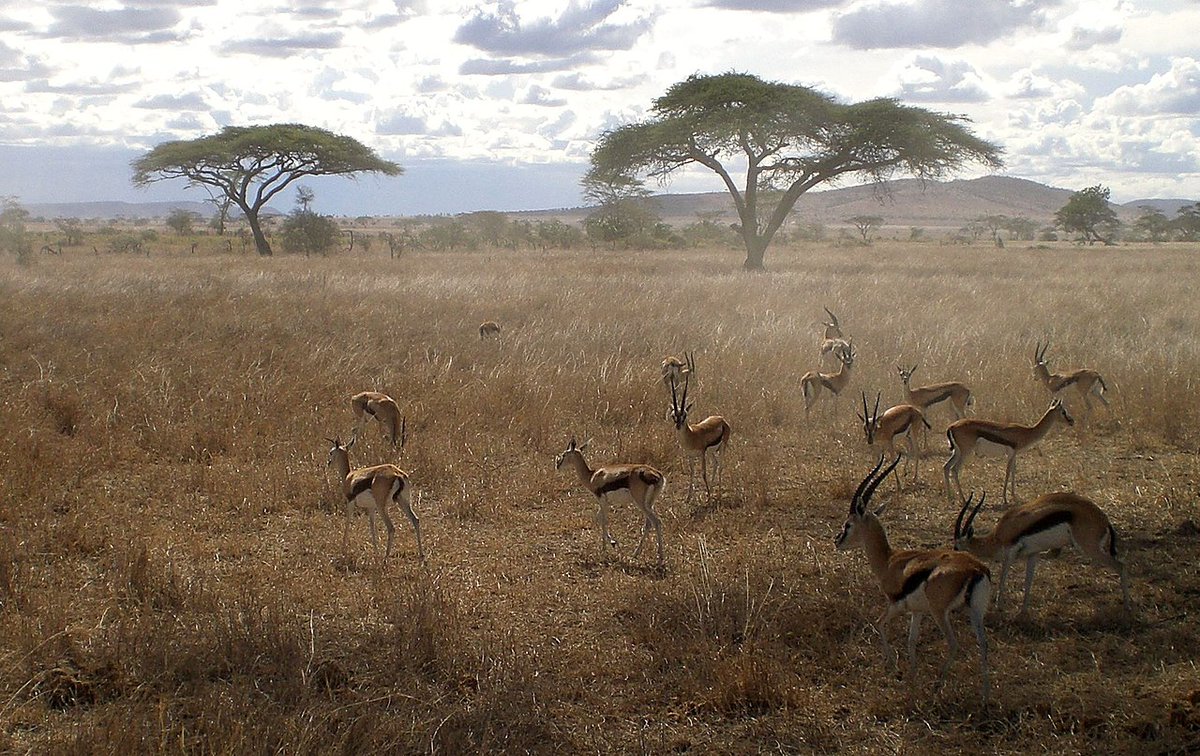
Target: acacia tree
865,225
789,138
251,164
1088,212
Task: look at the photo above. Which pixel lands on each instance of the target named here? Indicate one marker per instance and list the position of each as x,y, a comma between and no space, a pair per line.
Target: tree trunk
260,239
756,249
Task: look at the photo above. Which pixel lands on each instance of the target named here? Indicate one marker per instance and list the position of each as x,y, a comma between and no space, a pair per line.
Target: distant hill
934,205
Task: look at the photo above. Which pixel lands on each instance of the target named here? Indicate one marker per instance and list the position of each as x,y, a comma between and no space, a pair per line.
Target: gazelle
813,381
937,582
488,328
696,440
674,369
370,488
988,437
1050,521
640,484
383,408
833,340
936,393
1087,382
901,420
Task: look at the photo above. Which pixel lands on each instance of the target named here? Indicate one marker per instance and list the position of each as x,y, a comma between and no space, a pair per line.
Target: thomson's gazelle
383,408
901,420
1049,522
696,440
937,582
812,382
935,393
371,488
674,369
833,341
640,484
988,437
1086,382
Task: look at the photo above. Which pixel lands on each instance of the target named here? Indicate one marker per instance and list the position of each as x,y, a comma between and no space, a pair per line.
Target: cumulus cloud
400,123
490,67
17,66
277,44
582,26
1177,91
126,25
580,83
929,78
1083,38
934,23
774,6
189,101
539,95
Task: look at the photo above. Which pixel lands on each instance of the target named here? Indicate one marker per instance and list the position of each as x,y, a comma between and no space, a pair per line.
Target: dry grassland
171,572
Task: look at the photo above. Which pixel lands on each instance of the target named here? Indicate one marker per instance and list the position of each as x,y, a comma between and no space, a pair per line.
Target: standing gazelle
383,408
813,381
901,420
1086,382
833,340
696,440
370,488
988,437
640,484
1027,531
937,582
674,369
936,393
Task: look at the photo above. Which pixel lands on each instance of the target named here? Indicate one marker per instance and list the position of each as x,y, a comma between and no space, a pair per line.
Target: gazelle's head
870,418
964,529
906,375
570,451
1058,406
846,355
860,514
1039,357
833,329
339,453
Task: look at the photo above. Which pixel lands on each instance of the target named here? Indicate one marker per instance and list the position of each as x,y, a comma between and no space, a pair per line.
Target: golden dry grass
171,574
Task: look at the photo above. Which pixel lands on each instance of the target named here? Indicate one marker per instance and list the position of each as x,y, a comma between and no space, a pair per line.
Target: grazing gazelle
901,420
640,484
937,582
488,328
383,408
833,340
696,440
936,393
371,488
674,369
1087,382
1049,522
988,437
813,381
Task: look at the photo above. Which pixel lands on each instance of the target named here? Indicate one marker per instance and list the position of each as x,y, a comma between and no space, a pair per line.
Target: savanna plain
172,576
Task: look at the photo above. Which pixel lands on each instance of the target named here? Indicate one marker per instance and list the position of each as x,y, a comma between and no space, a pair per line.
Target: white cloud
1176,91
931,78
934,23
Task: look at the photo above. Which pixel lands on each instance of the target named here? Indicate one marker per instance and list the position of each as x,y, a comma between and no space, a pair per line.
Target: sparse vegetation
171,577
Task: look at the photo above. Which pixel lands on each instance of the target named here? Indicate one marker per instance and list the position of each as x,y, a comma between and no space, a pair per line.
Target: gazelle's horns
866,417
875,484
975,511
958,521
833,321
403,430
690,359
334,441
674,394
854,501
875,413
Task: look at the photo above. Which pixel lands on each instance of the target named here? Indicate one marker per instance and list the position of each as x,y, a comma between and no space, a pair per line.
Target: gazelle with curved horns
937,582
675,369
370,489
833,340
696,440
1087,382
1049,522
610,484
900,420
989,437
373,404
936,393
812,382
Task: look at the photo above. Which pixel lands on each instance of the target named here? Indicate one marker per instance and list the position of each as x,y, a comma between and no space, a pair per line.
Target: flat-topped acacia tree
252,164
790,139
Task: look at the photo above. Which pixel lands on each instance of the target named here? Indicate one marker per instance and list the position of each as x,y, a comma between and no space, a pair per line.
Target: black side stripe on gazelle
649,478
1052,520
911,584
995,439
613,485
940,398
360,486
1112,540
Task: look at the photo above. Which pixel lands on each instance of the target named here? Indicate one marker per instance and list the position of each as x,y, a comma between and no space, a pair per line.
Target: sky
497,105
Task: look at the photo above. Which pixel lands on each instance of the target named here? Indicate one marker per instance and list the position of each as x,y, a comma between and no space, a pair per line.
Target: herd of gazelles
937,581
